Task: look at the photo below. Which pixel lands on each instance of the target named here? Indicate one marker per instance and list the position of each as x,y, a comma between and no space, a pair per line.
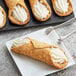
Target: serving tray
33,22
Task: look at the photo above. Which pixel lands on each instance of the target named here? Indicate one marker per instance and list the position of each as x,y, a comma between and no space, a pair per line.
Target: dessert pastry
2,17
62,7
44,52
18,12
40,9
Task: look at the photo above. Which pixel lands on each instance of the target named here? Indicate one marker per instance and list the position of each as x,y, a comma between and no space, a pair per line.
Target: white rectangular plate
30,67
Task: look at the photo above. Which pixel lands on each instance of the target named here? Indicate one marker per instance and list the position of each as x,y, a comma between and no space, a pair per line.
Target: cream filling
40,10
19,13
1,18
20,42
57,55
61,6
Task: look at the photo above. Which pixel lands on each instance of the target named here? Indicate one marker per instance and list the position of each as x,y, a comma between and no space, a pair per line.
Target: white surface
31,67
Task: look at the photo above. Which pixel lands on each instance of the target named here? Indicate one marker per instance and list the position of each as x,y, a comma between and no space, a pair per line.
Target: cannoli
18,12
41,51
40,9
62,7
2,17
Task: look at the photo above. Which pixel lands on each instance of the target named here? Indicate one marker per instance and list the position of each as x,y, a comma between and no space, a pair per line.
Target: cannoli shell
39,51
70,9
11,4
4,22
32,3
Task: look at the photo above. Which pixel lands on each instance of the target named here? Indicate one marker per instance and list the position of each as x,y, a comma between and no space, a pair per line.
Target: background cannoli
40,9
18,12
62,7
2,17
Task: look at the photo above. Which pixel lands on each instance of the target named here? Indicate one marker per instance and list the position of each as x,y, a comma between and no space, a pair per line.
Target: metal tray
33,22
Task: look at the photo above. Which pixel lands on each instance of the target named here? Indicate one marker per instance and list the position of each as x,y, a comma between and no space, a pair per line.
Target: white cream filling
40,10
19,13
61,6
1,18
20,42
57,55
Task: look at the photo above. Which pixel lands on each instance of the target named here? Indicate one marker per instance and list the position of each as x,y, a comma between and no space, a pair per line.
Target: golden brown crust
70,9
11,4
1,26
32,3
39,52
